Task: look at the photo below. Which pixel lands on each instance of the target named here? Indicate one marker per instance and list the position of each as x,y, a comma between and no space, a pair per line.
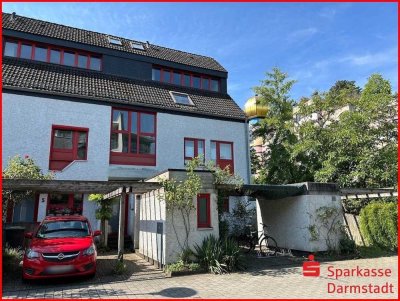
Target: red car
61,246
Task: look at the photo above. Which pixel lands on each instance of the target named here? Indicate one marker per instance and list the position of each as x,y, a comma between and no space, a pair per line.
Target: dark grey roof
20,74
43,28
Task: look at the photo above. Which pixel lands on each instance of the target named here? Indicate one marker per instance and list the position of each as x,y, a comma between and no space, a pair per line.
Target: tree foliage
179,196
346,135
104,213
20,168
276,128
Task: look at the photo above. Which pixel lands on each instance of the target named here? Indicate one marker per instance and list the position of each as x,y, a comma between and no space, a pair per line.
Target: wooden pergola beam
52,186
365,191
370,195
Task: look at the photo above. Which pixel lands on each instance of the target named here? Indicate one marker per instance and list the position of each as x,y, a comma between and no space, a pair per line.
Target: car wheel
92,275
25,280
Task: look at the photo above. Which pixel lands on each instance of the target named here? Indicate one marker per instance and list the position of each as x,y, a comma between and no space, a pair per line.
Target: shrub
181,266
347,246
120,268
378,224
218,256
11,258
186,255
232,256
209,254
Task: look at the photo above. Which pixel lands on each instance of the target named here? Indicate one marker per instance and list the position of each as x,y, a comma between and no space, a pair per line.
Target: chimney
13,15
147,44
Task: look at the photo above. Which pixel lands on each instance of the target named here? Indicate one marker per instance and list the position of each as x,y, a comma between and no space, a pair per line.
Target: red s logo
311,268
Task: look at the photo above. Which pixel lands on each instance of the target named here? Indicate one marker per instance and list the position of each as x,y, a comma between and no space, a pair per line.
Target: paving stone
263,279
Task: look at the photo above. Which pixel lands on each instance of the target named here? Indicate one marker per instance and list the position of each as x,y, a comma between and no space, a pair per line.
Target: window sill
205,229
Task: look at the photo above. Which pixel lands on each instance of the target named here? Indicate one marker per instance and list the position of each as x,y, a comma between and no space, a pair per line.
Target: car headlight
32,254
90,250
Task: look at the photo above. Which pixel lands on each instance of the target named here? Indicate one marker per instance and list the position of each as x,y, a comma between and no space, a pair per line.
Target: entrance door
114,221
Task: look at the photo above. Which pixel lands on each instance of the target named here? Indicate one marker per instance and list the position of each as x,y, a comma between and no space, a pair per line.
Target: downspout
248,161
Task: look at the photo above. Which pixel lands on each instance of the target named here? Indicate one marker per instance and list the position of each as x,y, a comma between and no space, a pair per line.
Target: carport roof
267,191
77,186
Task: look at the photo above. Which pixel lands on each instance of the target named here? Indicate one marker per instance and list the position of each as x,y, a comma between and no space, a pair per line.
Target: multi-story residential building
92,106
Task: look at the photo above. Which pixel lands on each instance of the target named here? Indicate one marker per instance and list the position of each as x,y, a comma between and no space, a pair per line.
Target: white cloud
302,34
373,59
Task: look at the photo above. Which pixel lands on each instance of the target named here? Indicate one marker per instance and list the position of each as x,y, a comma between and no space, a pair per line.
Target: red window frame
69,205
222,163
53,47
196,148
206,224
134,158
182,80
60,158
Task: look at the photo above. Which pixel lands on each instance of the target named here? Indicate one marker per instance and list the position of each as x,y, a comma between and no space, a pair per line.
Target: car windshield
62,229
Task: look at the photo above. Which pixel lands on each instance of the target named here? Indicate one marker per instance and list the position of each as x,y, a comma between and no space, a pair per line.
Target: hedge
378,224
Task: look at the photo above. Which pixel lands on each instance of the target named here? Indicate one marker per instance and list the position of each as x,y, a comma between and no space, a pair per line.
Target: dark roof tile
48,29
55,79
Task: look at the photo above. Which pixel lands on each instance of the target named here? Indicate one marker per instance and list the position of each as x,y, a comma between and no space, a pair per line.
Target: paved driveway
265,278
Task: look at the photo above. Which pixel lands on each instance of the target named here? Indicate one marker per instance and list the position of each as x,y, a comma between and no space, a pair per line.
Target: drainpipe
248,161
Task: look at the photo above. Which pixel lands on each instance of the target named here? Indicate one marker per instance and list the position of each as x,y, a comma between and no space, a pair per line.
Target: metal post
121,229
137,222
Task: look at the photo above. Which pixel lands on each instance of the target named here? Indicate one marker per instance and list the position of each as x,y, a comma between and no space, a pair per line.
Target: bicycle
267,244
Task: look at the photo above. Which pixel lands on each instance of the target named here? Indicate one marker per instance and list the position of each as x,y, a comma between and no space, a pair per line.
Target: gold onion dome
254,109
258,141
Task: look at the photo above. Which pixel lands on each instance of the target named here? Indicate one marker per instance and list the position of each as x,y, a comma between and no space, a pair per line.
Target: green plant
20,168
194,266
313,232
347,246
11,258
103,213
186,255
181,266
378,224
209,255
218,256
232,257
179,196
178,266
120,268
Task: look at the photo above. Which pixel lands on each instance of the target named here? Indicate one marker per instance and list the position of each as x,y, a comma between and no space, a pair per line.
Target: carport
292,211
110,189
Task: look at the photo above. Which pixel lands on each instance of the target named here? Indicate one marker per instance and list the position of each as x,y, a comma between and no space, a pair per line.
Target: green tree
277,165
362,148
178,197
103,213
20,168
318,115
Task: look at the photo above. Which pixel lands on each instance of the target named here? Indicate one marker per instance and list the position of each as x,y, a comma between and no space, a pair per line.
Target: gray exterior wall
171,131
27,124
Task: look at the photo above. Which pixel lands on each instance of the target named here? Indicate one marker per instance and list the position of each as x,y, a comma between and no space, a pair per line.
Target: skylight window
137,45
181,98
114,41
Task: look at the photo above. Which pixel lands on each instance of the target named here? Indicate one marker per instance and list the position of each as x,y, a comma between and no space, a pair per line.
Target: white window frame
183,94
115,41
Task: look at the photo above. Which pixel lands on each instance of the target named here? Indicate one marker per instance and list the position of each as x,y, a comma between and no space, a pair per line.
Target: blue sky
315,43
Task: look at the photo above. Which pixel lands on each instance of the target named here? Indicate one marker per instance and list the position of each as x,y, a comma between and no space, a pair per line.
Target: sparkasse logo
311,268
